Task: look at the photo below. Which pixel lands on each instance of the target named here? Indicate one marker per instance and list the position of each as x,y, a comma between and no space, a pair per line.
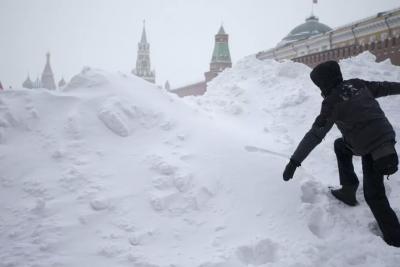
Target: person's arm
323,123
379,89
310,140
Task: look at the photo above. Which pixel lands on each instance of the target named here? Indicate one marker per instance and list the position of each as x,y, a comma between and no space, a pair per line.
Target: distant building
143,66
28,83
312,42
47,80
220,60
1,86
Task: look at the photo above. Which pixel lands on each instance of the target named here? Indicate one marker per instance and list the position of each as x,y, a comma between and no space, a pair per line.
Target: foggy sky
105,33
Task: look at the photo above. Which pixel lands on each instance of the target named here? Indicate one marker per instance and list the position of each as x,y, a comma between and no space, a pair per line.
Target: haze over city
104,34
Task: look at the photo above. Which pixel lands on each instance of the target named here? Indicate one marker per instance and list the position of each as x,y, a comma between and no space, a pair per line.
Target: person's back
358,116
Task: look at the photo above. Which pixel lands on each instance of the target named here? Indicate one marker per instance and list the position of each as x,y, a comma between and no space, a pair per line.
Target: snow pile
114,171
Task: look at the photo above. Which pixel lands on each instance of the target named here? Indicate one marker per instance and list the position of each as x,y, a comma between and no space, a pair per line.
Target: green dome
311,27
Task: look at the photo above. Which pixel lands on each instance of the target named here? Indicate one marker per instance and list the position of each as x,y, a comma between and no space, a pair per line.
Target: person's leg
347,176
344,158
375,196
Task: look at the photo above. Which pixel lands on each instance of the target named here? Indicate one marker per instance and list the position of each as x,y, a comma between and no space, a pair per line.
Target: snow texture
113,171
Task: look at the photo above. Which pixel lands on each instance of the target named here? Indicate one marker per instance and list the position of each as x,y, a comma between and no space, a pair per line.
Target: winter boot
393,238
346,194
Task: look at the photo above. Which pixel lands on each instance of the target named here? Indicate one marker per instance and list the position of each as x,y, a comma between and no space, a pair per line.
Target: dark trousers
374,190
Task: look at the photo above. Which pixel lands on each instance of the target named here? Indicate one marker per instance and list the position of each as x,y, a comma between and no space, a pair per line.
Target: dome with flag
311,27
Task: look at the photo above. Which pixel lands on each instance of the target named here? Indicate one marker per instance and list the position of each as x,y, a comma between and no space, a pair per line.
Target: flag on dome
315,1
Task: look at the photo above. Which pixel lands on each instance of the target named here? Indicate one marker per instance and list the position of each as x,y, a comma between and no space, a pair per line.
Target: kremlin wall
312,43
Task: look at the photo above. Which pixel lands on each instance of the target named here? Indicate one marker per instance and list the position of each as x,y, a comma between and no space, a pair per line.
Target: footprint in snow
374,228
263,252
310,191
319,223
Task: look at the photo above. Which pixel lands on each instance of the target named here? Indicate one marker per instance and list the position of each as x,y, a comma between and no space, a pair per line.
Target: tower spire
144,38
314,2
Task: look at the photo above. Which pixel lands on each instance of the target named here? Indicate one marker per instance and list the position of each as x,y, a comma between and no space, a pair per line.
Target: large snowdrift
113,171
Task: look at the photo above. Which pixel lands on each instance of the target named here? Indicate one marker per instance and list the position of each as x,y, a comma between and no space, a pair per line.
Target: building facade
143,66
379,34
220,60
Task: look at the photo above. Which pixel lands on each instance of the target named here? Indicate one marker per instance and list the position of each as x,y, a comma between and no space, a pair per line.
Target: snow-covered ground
113,171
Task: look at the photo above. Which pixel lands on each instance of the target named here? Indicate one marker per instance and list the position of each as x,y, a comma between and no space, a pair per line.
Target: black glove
290,169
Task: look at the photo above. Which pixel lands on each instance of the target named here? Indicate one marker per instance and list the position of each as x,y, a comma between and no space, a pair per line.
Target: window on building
379,45
386,43
373,46
393,41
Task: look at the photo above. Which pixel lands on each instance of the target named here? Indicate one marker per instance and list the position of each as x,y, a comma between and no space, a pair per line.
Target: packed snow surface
113,171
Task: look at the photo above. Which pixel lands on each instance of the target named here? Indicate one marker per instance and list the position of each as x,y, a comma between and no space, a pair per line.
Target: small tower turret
28,83
167,86
61,83
37,83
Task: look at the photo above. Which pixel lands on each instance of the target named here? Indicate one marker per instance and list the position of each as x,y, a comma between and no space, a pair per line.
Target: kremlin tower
47,80
221,57
143,60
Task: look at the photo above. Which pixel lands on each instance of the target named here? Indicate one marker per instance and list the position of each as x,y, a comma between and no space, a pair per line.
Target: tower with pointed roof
143,66
221,57
28,83
47,80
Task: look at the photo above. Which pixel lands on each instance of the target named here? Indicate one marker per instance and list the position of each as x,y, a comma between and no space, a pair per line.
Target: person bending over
351,105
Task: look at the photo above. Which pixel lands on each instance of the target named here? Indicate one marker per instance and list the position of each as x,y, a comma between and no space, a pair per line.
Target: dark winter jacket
351,105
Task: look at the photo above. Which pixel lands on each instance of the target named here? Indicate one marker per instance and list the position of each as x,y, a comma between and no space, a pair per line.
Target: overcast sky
105,33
